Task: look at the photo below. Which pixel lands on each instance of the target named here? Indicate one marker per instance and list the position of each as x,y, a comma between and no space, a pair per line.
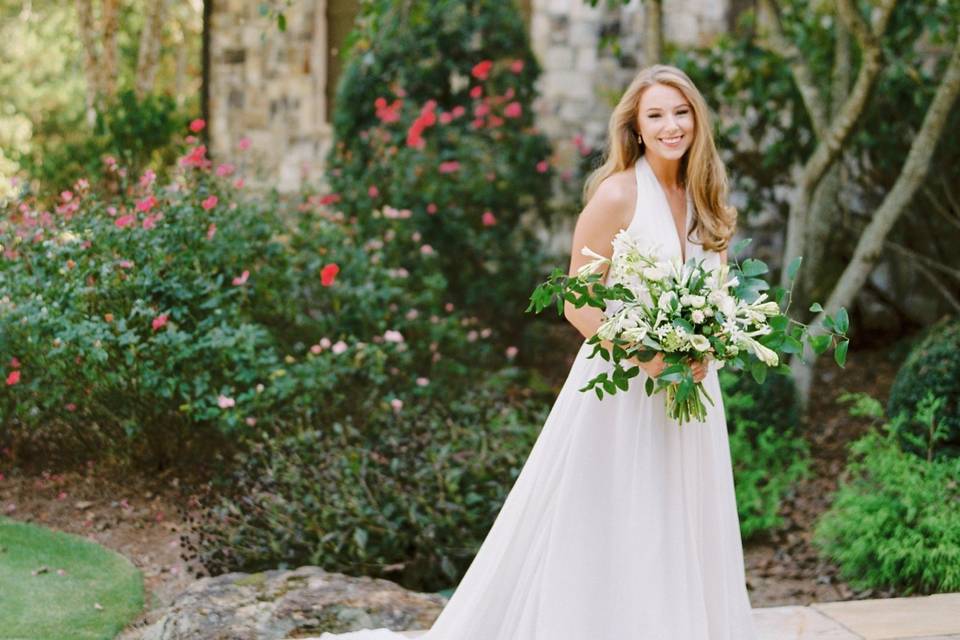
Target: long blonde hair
701,169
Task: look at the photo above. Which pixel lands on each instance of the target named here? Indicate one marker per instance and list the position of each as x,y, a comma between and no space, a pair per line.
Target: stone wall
272,87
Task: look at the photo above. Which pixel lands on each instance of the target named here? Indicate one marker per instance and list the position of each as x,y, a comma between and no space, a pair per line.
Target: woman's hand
655,366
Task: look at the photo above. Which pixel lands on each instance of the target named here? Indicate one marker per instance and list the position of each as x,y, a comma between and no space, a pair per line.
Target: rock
278,604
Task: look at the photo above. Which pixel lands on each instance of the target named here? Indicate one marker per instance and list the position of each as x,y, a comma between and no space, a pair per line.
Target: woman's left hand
699,370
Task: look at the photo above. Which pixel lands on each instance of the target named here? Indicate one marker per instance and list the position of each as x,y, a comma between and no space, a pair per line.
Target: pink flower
243,144
513,110
197,125
446,117
448,307
488,219
373,192
66,196
476,92
70,406
225,169
151,221
241,279
196,158
516,66
125,264
324,343
159,321
147,203
396,404
392,336
494,122
458,111
427,250
431,208
315,349
211,231
481,70
328,274
147,178
512,352
339,347
238,183
542,166
13,378
125,221
14,363
422,382
481,110
251,422
224,402
449,167
209,203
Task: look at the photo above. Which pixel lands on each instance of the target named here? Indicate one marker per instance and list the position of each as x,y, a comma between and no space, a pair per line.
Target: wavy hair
702,171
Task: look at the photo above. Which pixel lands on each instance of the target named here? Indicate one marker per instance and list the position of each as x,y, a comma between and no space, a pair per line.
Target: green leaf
752,267
741,245
842,321
816,308
759,372
794,267
840,354
360,538
648,386
282,22
820,343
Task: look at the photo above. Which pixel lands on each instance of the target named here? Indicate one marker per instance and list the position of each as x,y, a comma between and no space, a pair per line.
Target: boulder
280,604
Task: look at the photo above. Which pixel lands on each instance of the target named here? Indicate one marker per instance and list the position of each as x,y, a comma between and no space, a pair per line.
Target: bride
622,525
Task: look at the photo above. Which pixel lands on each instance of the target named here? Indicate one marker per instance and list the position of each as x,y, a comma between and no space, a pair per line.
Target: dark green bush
768,454
435,119
409,496
933,366
895,520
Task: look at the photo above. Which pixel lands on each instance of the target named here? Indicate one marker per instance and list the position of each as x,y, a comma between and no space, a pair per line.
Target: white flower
666,301
592,266
766,355
700,343
698,316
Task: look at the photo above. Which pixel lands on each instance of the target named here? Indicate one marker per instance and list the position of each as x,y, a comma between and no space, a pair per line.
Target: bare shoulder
613,202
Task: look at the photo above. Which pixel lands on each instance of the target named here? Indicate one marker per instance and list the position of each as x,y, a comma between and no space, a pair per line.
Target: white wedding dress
622,525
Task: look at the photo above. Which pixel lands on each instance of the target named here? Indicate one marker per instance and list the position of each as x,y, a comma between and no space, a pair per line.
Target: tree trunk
148,53
90,69
871,241
205,68
108,64
653,32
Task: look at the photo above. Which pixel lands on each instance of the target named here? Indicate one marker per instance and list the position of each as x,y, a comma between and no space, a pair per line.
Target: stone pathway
928,618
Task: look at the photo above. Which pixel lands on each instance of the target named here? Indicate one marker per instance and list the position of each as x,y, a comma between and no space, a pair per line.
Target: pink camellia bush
144,311
456,136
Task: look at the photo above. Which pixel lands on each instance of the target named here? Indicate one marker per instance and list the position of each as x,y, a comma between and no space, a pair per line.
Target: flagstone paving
934,617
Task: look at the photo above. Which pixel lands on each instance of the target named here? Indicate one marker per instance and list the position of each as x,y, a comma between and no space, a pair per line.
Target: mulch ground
138,516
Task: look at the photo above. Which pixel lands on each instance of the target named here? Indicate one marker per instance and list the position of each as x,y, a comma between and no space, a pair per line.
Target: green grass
49,606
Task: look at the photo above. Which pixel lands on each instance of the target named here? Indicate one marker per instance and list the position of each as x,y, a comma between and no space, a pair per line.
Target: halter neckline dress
621,524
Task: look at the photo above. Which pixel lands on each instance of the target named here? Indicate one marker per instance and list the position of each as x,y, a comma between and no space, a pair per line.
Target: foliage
767,453
895,520
409,496
136,132
149,324
434,118
933,366
71,578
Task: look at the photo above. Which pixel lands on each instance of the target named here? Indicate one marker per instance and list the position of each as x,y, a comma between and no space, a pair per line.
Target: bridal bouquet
688,312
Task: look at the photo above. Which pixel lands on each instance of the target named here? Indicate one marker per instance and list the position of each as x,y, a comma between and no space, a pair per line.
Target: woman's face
665,120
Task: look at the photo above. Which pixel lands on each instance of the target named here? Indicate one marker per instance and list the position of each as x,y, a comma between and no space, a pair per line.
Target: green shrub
895,520
933,367
137,133
767,453
410,496
435,122
151,324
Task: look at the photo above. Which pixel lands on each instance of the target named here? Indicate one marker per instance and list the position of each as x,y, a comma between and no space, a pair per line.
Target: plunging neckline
681,240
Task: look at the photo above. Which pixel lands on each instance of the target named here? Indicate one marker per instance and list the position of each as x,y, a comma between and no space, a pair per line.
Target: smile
672,142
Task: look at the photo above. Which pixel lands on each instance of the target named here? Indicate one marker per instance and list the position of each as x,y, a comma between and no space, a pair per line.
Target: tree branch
773,39
839,130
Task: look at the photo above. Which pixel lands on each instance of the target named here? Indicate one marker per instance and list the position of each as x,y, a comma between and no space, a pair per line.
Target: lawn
56,585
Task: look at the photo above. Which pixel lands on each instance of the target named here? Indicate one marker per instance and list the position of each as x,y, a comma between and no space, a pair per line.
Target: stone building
277,88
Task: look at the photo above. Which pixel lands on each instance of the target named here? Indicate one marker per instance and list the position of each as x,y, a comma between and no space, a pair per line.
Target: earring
639,138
